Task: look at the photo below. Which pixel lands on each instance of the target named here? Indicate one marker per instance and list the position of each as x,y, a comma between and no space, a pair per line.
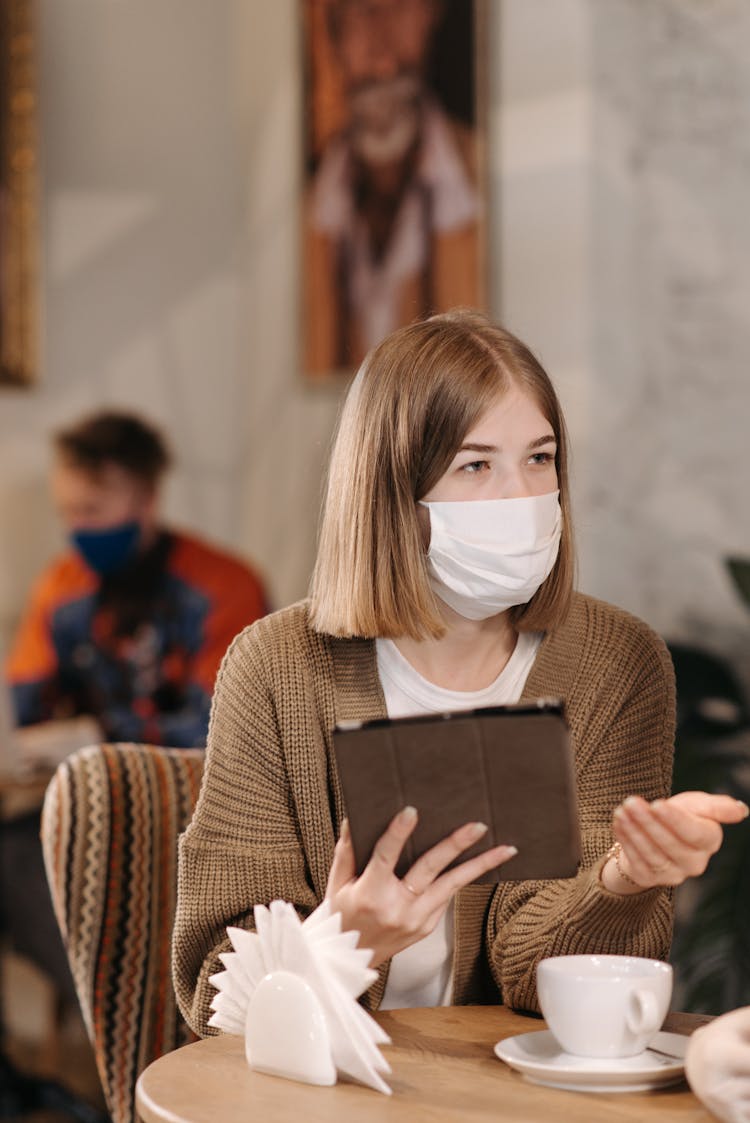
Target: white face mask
487,555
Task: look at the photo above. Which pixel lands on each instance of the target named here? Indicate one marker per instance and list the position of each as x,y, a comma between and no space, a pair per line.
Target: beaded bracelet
615,851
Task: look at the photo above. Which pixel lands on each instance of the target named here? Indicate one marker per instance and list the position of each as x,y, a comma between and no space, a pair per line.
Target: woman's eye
542,458
475,466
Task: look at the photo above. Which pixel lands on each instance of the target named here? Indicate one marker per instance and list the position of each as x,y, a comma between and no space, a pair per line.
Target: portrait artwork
18,195
394,211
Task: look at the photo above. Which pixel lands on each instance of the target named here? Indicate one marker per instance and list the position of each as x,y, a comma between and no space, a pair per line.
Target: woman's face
510,453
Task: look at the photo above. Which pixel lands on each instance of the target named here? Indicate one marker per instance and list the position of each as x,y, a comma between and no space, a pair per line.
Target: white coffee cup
603,1005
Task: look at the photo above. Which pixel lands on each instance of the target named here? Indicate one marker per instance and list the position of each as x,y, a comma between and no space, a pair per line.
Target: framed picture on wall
395,200
19,273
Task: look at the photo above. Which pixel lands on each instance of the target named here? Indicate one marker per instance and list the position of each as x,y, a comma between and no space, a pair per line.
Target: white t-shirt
421,975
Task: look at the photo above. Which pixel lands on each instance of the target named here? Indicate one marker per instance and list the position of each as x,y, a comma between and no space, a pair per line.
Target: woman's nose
515,485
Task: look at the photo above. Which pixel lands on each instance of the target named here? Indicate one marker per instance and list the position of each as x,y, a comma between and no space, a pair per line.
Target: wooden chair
110,822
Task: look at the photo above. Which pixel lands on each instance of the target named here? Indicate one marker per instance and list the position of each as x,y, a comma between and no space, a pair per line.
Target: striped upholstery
111,817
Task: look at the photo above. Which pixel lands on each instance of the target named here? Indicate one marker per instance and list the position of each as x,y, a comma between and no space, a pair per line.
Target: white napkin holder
284,1008
291,988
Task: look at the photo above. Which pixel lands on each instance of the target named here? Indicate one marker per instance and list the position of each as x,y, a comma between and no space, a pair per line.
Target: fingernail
657,803
618,811
478,829
409,814
631,801
745,808
511,851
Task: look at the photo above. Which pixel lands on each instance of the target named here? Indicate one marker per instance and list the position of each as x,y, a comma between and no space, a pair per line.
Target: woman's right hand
390,913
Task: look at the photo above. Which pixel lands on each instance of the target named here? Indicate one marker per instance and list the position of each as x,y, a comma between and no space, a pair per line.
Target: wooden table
443,1069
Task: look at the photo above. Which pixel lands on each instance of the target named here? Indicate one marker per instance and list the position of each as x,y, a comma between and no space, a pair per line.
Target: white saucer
542,1061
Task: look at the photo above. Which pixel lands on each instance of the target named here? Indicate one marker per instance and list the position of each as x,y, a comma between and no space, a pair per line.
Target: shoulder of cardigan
349,664
596,630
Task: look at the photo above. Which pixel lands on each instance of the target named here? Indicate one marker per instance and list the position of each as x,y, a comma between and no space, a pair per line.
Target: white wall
288,426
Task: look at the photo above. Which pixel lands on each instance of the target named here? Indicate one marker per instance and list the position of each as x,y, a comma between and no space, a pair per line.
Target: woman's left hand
669,840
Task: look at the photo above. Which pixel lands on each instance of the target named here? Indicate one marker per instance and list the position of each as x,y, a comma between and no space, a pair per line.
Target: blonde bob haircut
407,412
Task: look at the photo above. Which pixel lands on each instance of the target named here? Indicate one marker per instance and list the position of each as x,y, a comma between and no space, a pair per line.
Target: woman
443,581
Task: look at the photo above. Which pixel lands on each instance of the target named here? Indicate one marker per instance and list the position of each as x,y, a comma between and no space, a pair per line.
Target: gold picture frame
395,197
19,272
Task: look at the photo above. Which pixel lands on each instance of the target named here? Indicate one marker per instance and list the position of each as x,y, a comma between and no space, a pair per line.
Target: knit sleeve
624,734
242,845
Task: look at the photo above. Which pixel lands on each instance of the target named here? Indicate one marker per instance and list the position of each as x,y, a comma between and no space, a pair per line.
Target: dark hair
111,437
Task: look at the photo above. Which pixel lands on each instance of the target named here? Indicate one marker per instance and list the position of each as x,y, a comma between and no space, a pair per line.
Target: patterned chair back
111,818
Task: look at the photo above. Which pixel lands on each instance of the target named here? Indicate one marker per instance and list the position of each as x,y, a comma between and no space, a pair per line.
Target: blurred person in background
126,628
130,624
392,224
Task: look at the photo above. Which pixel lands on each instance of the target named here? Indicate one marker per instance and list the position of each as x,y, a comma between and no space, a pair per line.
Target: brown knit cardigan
270,806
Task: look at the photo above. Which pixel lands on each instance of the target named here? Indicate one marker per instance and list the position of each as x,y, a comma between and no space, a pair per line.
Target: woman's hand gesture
391,913
668,840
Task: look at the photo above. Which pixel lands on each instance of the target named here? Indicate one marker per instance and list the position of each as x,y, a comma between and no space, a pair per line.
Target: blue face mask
106,551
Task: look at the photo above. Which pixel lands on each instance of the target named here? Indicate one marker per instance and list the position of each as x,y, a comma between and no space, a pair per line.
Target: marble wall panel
670,390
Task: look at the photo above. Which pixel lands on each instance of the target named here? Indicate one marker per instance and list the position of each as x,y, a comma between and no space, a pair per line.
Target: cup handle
643,1012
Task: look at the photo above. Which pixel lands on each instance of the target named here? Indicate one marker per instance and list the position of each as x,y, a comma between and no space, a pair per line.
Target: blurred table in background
23,791
29,757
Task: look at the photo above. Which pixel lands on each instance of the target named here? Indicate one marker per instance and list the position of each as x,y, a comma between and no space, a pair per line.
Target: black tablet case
508,766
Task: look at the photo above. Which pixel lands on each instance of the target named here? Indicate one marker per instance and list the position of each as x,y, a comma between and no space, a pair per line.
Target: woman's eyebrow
550,439
473,447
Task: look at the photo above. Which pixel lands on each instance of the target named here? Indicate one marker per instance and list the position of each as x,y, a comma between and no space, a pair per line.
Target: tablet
508,766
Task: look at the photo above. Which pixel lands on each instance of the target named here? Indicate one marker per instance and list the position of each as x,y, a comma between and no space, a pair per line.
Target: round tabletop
443,1067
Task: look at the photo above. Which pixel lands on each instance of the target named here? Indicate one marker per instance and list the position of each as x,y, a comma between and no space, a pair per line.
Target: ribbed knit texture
271,804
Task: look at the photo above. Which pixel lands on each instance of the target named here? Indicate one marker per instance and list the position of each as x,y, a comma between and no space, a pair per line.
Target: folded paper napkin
291,988
717,1065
